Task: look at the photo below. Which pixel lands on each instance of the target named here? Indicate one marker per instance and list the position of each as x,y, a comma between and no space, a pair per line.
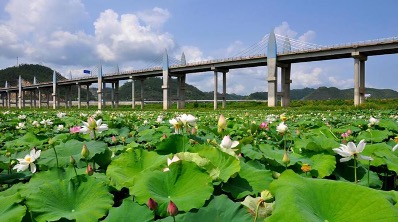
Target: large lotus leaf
277,155
28,140
375,136
10,210
389,124
304,199
252,179
131,165
82,199
252,152
319,143
173,144
225,164
130,211
382,155
219,209
70,148
322,165
42,177
185,184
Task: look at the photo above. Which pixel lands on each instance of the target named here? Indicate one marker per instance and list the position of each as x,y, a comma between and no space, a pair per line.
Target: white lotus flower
350,151
170,161
46,122
176,124
21,125
373,121
227,143
61,115
35,123
28,161
22,116
187,119
92,126
60,127
281,128
395,147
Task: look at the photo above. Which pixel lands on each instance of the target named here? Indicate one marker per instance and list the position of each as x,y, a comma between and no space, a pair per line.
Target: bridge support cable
359,78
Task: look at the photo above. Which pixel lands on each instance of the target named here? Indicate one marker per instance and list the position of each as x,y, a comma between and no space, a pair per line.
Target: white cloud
341,83
125,37
306,77
154,18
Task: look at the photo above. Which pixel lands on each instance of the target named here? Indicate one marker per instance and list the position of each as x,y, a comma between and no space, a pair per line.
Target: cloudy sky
72,35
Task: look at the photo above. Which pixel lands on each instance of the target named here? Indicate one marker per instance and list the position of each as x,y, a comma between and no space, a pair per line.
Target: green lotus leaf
70,148
252,152
83,199
389,125
322,165
225,164
173,144
28,140
42,177
375,136
185,184
252,179
10,210
130,211
304,199
277,155
124,170
382,155
318,143
219,209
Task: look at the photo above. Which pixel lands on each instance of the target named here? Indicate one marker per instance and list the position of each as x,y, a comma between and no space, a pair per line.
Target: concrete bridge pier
181,91
166,82
19,93
116,93
54,94
285,82
39,97
79,95
88,95
142,93
272,71
359,78
99,91
132,92
224,84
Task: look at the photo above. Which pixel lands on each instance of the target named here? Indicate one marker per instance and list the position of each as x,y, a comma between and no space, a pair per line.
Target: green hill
153,88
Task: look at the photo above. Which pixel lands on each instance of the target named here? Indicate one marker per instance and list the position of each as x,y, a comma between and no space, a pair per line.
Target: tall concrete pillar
142,94
181,88
285,76
54,90
166,81
34,92
103,94
272,71
117,93
20,92
224,89
88,96
99,91
215,102
113,94
132,92
79,95
39,97
8,95
359,77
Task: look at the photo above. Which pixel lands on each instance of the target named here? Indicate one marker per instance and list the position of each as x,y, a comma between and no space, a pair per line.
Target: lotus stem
355,170
369,174
56,156
256,215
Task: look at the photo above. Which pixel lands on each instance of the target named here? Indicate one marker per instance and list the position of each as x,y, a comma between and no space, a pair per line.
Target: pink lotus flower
75,129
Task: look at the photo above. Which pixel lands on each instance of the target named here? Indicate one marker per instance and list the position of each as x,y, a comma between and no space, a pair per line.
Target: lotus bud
194,131
72,161
283,117
172,209
51,141
286,159
152,204
8,154
89,170
266,195
92,124
85,152
114,140
222,124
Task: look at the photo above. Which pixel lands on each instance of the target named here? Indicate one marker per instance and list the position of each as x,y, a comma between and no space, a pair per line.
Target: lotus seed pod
85,152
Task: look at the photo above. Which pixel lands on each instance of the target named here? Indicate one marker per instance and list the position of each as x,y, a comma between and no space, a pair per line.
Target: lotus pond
239,166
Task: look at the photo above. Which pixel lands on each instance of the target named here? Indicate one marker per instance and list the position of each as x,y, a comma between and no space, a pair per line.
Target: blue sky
72,35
